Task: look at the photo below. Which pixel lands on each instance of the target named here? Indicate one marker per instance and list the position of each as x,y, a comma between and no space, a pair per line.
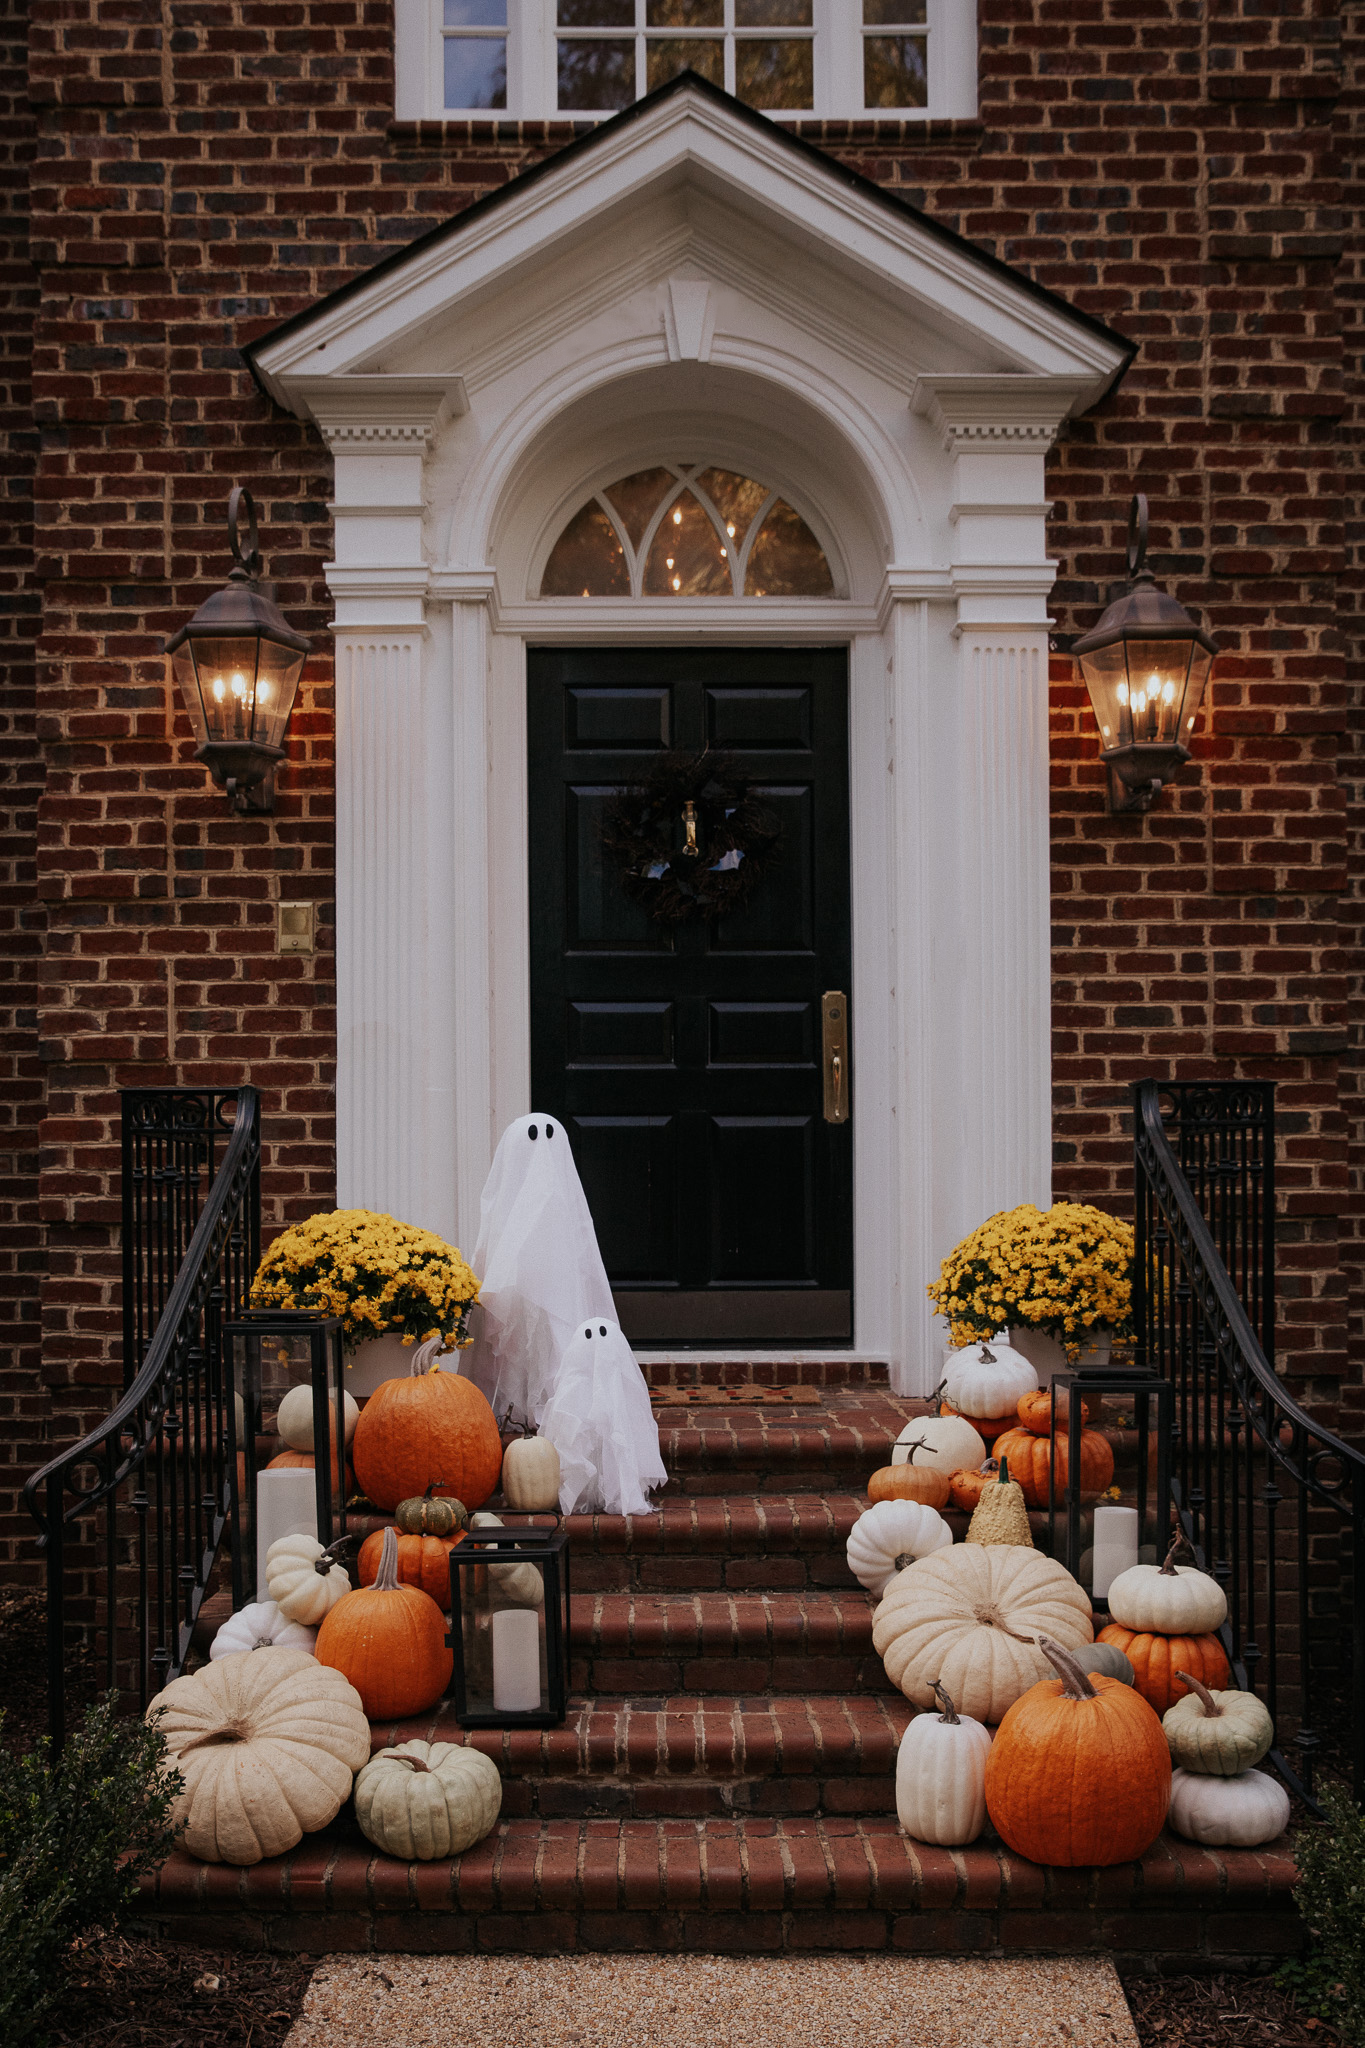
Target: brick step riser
702,1371
749,1672
651,1799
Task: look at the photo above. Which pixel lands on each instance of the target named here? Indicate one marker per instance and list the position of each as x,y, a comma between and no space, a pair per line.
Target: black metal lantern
1145,665
238,664
1094,1532
265,1356
509,1626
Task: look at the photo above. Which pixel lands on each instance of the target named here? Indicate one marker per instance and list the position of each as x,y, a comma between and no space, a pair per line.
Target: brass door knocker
689,811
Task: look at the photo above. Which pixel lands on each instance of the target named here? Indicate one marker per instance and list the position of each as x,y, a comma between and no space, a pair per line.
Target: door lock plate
834,1033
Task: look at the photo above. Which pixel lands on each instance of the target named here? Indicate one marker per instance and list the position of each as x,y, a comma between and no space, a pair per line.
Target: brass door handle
834,1032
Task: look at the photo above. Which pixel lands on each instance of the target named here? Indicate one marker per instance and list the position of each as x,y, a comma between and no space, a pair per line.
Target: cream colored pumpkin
967,1617
988,1379
531,1475
304,1579
427,1799
1167,1599
294,1418
888,1536
1228,1813
947,1443
261,1626
267,1743
1220,1734
941,1776
516,1585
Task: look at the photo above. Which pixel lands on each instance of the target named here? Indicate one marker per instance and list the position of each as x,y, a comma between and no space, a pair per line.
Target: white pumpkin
304,1579
531,1475
1228,1813
294,1418
1167,1599
947,1442
988,1379
1220,1734
267,1745
427,1799
886,1537
261,1626
967,1617
517,1585
941,1776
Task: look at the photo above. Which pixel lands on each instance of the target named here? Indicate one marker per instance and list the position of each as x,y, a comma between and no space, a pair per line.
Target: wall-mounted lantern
238,665
1145,666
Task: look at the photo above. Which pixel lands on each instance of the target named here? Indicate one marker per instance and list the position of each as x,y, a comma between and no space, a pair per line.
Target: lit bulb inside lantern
677,582
1123,693
677,517
669,560
1189,725
1167,692
239,685
219,689
262,692
730,528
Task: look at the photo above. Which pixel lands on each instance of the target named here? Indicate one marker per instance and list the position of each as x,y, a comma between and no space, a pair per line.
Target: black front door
687,1061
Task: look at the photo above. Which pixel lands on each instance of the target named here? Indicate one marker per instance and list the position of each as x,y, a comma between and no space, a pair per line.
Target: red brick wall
23,1404
205,170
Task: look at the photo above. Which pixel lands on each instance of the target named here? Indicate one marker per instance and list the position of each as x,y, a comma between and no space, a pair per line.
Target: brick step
778,1450
723,1643
698,1369
633,1758
739,1885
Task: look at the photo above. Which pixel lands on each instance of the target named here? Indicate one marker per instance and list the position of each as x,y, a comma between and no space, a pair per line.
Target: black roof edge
790,139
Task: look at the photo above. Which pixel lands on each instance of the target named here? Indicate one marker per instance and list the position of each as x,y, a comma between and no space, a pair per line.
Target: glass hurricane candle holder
1131,1411
509,1625
266,1355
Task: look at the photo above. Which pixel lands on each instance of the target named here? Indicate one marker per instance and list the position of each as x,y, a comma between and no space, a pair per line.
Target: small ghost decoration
600,1421
540,1272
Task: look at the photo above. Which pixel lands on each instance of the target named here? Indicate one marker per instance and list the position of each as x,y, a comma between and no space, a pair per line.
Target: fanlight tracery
685,530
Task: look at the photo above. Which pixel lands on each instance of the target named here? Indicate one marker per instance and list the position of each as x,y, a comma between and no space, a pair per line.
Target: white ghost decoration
600,1421
540,1272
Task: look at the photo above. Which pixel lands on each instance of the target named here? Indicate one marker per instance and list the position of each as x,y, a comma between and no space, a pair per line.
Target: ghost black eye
533,1133
588,1335
601,1329
549,1130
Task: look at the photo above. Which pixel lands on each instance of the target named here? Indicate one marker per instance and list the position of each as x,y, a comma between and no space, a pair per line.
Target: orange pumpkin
422,1561
1030,1456
306,1461
966,1488
910,1482
1080,1770
1156,1660
390,1641
1035,1412
430,1428
985,1426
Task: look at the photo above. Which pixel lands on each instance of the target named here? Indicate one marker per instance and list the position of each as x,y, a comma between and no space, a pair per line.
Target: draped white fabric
540,1272
600,1421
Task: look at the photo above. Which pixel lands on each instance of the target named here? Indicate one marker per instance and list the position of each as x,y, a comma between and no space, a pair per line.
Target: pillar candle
286,1505
516,1660
1116,1547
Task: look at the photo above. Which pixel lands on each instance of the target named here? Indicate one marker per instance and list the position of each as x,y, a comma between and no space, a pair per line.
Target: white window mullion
531,60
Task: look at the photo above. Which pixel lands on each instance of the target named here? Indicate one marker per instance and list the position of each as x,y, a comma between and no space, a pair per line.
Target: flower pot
377,1359
1046,1355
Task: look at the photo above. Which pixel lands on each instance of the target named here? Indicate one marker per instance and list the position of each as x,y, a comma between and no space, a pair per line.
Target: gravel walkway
721,2001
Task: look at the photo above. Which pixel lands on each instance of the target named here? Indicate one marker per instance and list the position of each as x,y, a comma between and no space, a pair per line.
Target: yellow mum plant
1065,1270
377,1274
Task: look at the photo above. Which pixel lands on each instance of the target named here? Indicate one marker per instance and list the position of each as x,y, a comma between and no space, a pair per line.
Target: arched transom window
681,530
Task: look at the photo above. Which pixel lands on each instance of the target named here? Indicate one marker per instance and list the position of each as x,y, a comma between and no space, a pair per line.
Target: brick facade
201,171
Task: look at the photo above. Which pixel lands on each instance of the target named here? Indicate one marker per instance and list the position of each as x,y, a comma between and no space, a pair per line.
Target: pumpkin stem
918,1445
432,1488
948,1712
386,1578
1212,1710
904,1558
985,1356
231,1731
415,1761
323,1563
1004,1471
1168,1570
1075,1684
424,1358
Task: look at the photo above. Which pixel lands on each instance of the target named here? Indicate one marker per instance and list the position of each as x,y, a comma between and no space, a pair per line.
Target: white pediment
661,233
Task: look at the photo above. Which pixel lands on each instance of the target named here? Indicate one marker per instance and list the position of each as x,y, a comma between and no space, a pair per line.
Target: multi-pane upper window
684,530
590,58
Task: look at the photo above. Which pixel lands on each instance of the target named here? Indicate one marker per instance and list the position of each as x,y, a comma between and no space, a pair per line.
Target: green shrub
1331,1897
74,1838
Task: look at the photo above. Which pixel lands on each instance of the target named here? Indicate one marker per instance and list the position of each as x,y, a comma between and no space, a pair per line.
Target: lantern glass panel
266,1356
1157,670
1106,672
1131,1411
509,1590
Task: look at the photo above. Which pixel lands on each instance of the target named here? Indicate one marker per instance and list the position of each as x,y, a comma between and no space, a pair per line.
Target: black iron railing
133,1516
173,1143
1272,1503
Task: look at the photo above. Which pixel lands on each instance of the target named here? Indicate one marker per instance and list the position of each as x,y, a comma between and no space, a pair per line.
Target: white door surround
690,285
